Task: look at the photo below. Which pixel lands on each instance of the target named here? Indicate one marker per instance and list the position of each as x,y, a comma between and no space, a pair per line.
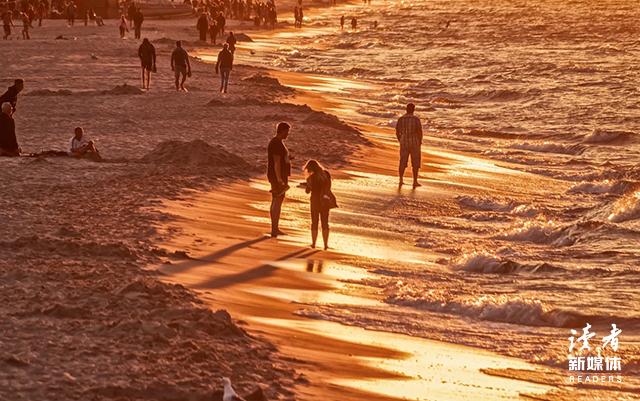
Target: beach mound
124,89
49,92
262,79
195,153
328,120
243,37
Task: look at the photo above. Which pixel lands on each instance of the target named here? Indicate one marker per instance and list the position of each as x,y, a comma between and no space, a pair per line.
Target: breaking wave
485,263
626,208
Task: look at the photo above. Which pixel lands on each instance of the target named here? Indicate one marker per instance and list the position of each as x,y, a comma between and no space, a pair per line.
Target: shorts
147,65
415,152
181,69
277,190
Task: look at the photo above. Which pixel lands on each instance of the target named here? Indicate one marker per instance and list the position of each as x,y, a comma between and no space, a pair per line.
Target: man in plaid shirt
409,134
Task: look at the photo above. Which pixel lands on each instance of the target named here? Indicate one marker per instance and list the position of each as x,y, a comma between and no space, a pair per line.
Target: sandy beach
151,276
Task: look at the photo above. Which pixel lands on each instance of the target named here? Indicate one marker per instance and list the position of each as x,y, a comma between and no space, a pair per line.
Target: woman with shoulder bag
322,200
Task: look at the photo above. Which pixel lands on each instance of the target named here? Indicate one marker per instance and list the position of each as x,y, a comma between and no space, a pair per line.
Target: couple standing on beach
318,184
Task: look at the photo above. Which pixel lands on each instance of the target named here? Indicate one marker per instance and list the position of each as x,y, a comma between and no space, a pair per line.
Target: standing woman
123,26
322,200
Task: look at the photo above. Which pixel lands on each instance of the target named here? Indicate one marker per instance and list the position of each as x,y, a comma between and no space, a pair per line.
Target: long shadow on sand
214,257
255,273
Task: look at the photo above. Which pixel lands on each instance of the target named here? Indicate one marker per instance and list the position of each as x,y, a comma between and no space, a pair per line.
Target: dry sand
81,317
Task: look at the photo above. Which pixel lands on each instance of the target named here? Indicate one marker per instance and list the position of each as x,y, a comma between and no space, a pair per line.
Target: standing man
278,171
224,65
138,19
180,65
71,13
147,54
203,26
8,143
11,95
7,23
409,134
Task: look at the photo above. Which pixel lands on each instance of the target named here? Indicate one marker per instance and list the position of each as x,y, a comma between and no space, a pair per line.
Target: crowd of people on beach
262,13
212,21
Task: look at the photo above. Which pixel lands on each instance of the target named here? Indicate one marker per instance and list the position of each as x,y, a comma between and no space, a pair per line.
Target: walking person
224,66
231,40
342,23
213,30
203,27
26,24
138,19
71,13
322,200
278,171
147,55
409,134
123,26
7,23
180,65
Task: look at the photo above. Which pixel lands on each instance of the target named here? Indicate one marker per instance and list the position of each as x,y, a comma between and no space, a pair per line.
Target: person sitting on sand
11,95
81,146
322,200
278,171
147,54
180,65
409,134
224,65
8,142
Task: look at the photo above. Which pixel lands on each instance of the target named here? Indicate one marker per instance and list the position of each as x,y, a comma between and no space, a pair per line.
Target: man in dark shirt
203,26
147,54
278,171
11,95
224,66
180,65
8,143
138,19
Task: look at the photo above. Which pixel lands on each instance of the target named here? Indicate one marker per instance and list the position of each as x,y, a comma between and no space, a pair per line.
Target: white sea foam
626,208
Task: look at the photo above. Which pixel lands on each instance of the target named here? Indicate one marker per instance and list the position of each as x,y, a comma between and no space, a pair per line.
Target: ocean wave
495,205
550,147
601,187
549,232
505,309
609,137
503,95
626,208
486,263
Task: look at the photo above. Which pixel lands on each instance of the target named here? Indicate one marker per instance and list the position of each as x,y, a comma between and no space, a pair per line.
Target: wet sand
265,281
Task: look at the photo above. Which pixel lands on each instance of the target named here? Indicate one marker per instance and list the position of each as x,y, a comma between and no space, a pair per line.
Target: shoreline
320,92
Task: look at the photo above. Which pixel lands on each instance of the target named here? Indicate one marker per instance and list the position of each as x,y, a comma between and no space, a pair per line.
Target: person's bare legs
143,87
315,216
275,211
401,175
184,78
324,217
416,184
